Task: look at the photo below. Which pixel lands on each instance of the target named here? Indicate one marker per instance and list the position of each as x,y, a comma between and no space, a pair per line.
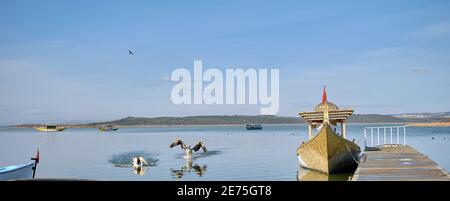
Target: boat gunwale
310,140
19,168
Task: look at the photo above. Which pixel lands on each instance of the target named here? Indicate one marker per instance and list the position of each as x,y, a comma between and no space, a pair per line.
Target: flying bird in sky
130,52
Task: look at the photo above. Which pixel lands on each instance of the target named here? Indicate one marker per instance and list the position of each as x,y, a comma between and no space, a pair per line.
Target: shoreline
191,125
430,124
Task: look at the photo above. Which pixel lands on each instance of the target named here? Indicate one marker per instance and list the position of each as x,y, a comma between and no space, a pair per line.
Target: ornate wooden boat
327,151
49,128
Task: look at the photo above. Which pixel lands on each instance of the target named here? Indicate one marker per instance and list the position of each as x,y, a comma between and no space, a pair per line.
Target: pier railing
374,136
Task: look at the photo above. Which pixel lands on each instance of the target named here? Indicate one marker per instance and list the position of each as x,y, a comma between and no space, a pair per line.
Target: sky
68,61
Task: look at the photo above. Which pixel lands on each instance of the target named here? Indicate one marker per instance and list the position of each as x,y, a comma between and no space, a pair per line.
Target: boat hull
17,172
45,129
328,153
253,127
108,129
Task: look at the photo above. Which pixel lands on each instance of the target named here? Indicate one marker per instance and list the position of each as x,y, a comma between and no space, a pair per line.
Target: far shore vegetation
260,119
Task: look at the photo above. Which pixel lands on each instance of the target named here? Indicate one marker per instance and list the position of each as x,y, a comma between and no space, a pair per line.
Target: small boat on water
108,127
22,171
49,128
253,126
327,151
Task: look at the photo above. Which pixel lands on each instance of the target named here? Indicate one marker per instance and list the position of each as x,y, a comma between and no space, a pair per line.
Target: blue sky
67,61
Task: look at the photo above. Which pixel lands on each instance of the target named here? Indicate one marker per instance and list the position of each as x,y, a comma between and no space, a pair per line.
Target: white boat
23,171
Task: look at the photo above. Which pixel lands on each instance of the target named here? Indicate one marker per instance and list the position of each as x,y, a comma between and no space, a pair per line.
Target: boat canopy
336,116
326,112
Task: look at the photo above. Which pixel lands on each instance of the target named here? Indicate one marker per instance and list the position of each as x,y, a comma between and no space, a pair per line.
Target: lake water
234,153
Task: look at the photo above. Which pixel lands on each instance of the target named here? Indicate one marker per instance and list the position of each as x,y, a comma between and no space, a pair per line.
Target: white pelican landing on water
188,149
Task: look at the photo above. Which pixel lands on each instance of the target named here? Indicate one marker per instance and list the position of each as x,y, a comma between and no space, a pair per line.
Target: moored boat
22,171
49,128
253,126
327,151
108,127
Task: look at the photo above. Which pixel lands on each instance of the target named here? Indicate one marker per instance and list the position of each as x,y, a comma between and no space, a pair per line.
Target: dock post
391,137
371,137
378,139
365,137
344,131
310,131
404,135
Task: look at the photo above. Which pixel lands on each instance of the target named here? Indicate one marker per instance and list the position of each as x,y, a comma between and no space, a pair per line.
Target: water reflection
139,170
311,175
190,166
200,155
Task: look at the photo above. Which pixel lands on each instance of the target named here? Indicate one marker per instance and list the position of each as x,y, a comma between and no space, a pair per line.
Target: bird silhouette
130,52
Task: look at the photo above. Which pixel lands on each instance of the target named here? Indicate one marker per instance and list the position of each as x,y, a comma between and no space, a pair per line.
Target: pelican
188,149
139,162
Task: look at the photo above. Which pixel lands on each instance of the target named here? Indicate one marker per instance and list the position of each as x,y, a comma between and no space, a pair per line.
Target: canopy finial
326,118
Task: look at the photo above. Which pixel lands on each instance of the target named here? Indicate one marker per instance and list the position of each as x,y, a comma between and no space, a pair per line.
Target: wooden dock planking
398,163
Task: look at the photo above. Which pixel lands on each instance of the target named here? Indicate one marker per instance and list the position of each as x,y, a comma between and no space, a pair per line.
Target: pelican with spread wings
188,149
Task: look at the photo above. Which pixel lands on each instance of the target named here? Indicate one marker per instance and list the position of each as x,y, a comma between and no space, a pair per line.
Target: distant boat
23,171
327,151
108,127
49,128
253,126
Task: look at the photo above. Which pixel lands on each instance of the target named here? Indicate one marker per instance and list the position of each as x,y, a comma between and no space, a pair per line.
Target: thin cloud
146,84
439,29
152,83
166,78
420,69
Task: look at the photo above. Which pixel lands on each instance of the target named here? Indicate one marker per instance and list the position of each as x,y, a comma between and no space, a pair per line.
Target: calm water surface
234,153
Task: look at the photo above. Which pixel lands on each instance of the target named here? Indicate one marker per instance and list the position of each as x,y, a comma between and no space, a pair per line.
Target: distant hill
423,115
374,118
242,119
205,120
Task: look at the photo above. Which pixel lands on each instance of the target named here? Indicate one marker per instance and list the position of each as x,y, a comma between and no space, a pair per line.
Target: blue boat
253,126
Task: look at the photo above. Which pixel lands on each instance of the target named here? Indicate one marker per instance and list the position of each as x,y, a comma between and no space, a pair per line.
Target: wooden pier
397,163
